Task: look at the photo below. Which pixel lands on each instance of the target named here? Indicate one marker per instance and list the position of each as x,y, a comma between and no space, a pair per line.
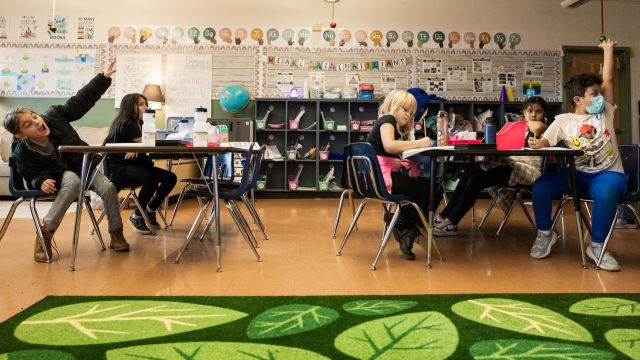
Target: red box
511,136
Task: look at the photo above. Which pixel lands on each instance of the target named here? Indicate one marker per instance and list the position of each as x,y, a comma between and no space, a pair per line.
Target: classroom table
470,151
89,151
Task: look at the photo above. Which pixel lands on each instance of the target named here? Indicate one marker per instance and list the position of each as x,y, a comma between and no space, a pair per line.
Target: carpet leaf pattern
290,319
627,341
213,350
377,307
37,354
421,335
518,349
606,306
114,321
522,317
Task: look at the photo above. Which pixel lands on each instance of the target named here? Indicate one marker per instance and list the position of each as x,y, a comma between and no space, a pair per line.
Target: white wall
543,24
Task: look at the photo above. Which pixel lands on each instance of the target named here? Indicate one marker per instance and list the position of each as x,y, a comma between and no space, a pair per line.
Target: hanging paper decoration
454,38
257,35
209,34
500,39
438,38
392,36
514,40
484,38
423,38
470,38
345,37
407,37
376,37
361,38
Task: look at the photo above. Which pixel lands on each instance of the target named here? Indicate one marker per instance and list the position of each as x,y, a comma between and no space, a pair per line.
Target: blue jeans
604,188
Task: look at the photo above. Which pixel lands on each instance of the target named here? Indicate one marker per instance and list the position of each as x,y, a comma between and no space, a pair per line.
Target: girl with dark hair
133,169
522,170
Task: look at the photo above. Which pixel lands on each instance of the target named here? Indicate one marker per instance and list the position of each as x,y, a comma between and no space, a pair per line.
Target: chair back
630,157
363,170
248,172
17,187
255,170
344,179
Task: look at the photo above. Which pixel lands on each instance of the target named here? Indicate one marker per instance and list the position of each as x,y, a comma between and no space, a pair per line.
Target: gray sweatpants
69,192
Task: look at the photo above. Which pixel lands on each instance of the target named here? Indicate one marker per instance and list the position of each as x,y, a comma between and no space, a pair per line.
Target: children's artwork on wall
432,66
352,80
57,27
482,85
481,66
387,82
40,69
531,88
285,83
533,69
506,79
28,27
86,27
504,67
436,85
457,75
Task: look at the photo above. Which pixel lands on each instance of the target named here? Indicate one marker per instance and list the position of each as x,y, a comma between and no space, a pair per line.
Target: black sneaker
407,239
138,224
152,220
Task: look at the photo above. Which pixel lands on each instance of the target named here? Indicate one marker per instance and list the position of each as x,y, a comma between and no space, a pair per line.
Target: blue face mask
597,105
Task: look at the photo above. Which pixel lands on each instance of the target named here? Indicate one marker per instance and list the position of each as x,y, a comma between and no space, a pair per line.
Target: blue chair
192,184
366,180
21,192
230,195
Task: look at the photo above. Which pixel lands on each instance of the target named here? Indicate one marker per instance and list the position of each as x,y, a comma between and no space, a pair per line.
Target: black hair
577,85
12,119
128,112
536,100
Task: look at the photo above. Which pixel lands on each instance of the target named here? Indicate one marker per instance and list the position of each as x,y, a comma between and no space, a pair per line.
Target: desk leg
76,228
576,204
432,185
216,204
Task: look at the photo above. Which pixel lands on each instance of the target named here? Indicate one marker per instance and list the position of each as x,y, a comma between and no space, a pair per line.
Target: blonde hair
399,99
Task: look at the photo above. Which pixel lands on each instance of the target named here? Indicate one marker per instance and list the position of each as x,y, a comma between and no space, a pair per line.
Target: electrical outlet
316,26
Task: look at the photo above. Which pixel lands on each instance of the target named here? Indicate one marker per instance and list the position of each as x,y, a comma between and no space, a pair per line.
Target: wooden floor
299,259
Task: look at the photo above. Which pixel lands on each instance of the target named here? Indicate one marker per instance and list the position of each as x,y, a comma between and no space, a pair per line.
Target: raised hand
110,69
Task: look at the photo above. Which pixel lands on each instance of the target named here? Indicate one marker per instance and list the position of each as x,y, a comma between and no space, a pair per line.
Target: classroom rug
498,326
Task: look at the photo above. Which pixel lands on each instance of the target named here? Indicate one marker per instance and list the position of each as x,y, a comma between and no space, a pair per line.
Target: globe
233,98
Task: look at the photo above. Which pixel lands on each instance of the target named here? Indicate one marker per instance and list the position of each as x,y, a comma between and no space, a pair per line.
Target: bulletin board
230,64
48,69
478,75
373,66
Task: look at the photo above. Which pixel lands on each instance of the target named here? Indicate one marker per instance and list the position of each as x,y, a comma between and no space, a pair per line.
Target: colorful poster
4,27
457,75
28,27
432,66
86,28
57,28
436,85
533,69
481,66
388,83
352,80
482,85
531,88
507,79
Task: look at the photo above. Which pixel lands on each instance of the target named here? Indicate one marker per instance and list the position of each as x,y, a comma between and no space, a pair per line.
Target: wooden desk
89,152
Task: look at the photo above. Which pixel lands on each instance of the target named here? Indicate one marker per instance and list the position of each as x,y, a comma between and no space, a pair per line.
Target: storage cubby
341,112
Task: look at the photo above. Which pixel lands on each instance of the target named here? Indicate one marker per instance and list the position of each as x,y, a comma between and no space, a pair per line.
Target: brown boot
118,242
39,254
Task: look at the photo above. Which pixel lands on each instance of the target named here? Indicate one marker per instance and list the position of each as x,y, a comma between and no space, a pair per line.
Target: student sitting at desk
390,137
599,170
522,170
133,169
37,159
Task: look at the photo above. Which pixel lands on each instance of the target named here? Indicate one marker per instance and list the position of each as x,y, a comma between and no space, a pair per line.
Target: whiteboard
134,71
188,83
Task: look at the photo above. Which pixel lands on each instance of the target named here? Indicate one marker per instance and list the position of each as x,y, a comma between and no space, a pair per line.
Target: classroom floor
299,259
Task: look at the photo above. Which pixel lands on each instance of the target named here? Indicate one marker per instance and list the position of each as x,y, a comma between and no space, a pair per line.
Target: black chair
21,192
366,180
348,191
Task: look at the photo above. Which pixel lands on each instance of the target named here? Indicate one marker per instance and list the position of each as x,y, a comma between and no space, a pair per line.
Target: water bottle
200,135
489,131
442,128
149,127
223,134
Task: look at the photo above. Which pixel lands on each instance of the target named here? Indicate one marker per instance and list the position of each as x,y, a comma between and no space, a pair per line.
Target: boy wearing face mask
599,170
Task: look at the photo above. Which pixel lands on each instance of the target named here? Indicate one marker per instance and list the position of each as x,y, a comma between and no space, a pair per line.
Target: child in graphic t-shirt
599,169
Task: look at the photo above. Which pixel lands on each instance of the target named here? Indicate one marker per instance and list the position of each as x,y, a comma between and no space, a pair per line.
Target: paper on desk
124,144
180,135
550,148
241,144
411,152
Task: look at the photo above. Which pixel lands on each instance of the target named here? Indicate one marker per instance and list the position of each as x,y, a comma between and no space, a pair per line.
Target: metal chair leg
606,241
352,226
487,212
7,220
192,230
526,212
508,214
339,212
385,238
143,212
36,223
254,214
178,203
244,223
242,230
94,222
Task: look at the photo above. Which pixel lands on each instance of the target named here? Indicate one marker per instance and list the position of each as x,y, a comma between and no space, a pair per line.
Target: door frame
624,102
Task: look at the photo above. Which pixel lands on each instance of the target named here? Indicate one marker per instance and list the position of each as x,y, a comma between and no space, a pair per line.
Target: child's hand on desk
48,186
130,155
538,143
424,142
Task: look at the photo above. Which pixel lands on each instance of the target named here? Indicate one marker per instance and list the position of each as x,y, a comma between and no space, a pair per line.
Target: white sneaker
445,228
437,220
608,263
542,246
